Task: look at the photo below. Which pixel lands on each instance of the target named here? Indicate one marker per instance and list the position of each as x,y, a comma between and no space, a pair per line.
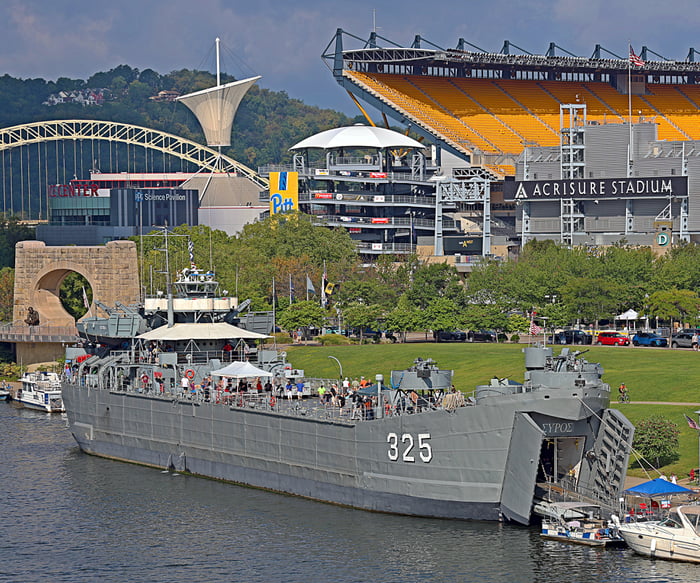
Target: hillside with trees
266,125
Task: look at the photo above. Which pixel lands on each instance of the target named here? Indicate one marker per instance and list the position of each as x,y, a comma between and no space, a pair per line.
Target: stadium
581,150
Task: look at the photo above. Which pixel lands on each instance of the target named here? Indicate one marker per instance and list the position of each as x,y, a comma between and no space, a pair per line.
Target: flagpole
274,296
307,287
629,105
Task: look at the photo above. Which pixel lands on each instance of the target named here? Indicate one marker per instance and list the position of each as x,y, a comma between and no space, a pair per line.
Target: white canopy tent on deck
240,370
191,332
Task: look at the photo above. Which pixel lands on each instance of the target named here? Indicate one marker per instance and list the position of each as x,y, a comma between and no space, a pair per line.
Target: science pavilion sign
602,188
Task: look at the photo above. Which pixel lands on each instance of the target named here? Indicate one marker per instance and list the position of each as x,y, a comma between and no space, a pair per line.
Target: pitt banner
284,192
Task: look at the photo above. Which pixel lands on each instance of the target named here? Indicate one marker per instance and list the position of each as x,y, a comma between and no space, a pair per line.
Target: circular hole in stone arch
75,294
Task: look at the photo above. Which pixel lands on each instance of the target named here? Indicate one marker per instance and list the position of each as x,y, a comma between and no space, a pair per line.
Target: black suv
571,337
449,336
481,336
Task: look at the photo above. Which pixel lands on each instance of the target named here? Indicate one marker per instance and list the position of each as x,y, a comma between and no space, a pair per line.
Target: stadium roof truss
392,58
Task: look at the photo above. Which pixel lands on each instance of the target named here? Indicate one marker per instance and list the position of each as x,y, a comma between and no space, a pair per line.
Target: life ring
189,373
145,378
273,401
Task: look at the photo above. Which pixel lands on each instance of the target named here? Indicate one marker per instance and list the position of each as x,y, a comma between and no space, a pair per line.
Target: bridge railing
46,333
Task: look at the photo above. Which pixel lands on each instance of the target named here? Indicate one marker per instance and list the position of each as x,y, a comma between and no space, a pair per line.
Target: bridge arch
74,129
111,270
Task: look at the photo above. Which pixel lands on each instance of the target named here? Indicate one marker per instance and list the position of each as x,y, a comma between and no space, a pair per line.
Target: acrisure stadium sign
596,188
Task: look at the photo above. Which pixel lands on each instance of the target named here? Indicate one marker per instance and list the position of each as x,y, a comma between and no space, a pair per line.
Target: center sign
601,188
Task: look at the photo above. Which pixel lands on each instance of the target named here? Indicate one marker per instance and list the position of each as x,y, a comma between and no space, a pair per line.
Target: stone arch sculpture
111,270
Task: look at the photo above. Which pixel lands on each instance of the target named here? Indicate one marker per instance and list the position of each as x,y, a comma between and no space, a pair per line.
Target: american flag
692,423
190,250
534,328
635,60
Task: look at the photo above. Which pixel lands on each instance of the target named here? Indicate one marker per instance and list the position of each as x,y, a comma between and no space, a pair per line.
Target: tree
656,438
432,281
485,316
11,232
404,317
674,304
440,314
7,291
593,298
361,317
71,294
301,315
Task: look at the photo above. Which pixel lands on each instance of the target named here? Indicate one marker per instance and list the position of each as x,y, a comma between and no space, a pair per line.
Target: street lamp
340,366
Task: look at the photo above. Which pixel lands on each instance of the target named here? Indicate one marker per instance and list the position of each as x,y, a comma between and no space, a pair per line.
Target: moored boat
581,523
41,391
676,537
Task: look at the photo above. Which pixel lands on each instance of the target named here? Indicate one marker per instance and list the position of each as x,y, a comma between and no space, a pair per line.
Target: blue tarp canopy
657,487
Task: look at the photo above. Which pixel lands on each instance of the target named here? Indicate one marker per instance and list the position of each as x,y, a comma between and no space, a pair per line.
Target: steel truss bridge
94,133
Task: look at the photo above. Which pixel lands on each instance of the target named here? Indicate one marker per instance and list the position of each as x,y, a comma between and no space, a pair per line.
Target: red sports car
613,339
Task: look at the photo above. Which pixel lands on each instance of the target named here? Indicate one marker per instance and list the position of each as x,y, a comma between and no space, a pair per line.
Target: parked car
682,340
613,339
571,337
648,339
481,336
450,336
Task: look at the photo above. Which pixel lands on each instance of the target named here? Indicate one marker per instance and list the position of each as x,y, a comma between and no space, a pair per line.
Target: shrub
334,340
656,438
279,338
515,338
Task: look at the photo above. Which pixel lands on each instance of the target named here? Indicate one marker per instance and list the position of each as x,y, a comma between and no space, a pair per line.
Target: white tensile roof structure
357,136
241,370
205,331
216,107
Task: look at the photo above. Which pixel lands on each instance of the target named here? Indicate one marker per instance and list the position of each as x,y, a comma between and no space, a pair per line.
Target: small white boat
4,393
676,537
580,523
42,391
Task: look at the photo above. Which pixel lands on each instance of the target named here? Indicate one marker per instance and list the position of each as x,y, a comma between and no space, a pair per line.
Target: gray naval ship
412,445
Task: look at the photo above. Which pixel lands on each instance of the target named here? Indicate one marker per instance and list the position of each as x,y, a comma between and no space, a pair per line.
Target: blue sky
282,40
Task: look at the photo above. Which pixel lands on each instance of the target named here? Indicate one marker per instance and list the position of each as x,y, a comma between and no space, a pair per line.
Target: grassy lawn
650,375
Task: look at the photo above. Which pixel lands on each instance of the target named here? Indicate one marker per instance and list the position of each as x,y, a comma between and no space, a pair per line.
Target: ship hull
471,463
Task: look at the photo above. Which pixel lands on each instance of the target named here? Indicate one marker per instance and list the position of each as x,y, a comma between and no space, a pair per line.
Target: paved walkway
658,403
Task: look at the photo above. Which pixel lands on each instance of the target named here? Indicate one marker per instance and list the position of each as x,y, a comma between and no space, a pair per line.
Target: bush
656,438
10,371
279,338
515,338
334,340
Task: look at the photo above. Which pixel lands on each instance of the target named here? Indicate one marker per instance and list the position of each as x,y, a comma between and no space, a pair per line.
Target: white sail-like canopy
216,107
200,331
358,136
241,370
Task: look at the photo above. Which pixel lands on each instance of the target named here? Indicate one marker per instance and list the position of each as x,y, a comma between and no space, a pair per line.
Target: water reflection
73,517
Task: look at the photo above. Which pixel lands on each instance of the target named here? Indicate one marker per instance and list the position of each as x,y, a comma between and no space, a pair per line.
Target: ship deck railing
308,407
144,356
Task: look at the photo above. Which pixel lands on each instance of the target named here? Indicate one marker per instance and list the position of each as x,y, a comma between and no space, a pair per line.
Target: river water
67,516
